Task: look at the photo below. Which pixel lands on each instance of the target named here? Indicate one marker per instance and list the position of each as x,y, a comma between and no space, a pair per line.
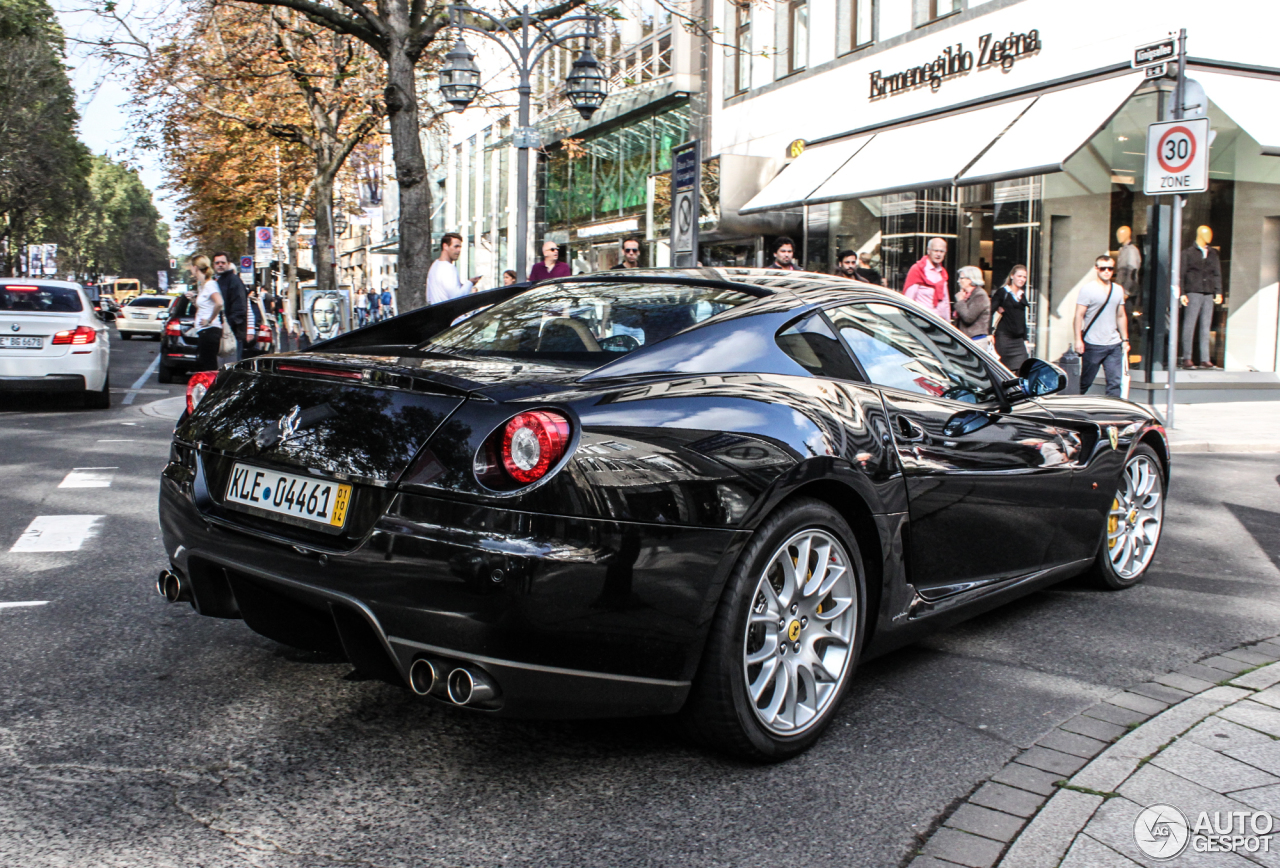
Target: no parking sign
1177,157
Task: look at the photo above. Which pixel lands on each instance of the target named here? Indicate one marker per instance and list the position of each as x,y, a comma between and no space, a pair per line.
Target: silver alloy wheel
799,637
1137,514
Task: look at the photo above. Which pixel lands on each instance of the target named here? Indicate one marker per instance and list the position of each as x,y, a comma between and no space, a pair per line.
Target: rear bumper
49,383
569,617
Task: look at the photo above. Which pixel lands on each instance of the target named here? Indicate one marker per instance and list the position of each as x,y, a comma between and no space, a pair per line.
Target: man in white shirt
443,282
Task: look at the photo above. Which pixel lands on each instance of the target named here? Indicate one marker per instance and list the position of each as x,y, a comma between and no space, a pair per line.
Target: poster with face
329,312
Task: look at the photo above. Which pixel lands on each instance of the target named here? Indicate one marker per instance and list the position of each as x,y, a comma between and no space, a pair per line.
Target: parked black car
178,353
704,492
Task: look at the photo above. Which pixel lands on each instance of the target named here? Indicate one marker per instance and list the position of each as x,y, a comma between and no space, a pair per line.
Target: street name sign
1177,157
686,187
1155,52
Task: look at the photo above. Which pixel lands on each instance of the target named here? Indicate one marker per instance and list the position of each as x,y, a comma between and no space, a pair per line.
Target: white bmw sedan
144,314
52,340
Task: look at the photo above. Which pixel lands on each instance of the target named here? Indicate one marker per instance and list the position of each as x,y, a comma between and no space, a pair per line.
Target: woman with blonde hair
1010,321
208,324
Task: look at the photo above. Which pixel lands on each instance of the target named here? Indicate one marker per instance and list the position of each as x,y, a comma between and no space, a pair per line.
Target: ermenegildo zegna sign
957,60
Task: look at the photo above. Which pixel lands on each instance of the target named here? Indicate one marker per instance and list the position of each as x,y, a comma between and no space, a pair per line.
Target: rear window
593,322
41,299
143,301
182,307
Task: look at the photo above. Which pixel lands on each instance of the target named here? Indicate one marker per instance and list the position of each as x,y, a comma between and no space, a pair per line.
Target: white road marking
89,477
133,390
117,441
27,603
57,533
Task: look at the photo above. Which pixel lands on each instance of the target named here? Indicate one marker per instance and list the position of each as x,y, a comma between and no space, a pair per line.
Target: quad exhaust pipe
468,687
460,685
172,587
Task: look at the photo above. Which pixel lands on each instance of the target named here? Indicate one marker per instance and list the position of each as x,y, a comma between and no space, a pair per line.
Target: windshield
42,299
588,322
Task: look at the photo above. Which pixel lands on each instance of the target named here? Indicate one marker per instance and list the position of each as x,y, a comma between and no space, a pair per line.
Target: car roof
39,281
812,288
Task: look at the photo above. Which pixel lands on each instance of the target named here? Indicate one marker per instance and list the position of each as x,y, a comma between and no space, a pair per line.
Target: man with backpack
1101,330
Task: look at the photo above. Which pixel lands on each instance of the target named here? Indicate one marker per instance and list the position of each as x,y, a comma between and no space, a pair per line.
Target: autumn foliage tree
243,97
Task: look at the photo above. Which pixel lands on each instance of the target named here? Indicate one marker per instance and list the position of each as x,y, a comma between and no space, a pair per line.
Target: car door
985,481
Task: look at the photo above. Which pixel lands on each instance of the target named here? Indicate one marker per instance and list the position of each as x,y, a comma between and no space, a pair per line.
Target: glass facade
604,176
1057,224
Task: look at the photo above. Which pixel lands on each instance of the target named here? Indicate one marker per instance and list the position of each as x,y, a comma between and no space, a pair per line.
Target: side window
812,345
900,349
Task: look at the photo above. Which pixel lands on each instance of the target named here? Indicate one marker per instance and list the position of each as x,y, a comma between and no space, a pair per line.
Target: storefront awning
926,154
1051,131
800,178
1250,102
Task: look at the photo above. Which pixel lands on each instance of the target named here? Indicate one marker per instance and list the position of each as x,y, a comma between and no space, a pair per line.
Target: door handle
909,431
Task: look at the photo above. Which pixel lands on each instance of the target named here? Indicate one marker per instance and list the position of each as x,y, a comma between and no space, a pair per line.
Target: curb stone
1030,813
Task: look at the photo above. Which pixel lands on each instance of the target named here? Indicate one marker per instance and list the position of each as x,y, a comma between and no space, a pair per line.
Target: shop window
855,24
664,55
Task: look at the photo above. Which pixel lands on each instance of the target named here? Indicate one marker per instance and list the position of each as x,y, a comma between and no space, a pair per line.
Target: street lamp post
339,227
525,39
292,222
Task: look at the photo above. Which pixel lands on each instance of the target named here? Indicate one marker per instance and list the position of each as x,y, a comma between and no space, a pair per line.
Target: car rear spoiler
412,328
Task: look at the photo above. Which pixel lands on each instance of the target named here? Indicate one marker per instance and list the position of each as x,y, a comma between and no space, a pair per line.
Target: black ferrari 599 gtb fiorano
706,492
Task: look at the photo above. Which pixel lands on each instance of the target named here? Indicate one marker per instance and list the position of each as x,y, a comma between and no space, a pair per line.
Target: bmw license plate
314,500
16,342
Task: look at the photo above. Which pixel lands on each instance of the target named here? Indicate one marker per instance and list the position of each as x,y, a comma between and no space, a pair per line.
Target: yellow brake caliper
1112,524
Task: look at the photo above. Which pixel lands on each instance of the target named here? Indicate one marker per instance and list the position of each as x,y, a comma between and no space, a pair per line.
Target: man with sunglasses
1102,332
630,255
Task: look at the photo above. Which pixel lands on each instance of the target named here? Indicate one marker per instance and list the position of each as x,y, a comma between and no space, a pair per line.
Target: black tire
1103,572
165,374
124,336
719,711
99,400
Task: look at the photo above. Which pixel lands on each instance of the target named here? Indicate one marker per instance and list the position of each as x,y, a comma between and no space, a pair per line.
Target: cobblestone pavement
1204,739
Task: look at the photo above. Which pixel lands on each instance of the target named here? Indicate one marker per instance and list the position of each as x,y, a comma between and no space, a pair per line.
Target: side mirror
1039,378
965,422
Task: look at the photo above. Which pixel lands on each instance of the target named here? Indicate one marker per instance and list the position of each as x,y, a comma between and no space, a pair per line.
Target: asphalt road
135,733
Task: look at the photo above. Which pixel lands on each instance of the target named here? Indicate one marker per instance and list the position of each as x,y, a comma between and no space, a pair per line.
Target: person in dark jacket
235,296
972,306
1010,332
1201,290
865,272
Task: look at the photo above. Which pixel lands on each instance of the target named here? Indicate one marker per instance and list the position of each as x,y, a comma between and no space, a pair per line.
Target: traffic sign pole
1175,258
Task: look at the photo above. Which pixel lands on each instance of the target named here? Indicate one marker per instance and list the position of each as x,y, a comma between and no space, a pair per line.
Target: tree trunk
324,244
411,174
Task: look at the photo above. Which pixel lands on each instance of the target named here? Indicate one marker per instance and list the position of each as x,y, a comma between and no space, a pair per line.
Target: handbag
227,346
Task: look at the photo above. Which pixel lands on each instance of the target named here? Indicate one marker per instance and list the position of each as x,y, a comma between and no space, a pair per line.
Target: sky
104,114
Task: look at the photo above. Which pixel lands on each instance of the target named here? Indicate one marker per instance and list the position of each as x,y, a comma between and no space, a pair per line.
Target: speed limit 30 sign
1177,157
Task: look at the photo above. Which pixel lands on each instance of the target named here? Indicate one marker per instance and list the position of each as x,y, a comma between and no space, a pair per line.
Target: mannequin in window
1201,290
1128,261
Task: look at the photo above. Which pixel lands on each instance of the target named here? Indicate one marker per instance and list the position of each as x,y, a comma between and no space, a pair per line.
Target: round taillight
533,443
197,386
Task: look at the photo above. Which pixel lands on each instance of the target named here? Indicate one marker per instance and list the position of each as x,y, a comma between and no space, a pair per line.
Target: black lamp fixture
292,220
339,223
459,77
585,85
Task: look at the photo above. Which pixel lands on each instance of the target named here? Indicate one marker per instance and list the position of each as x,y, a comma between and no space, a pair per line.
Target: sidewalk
1148,778
1238,426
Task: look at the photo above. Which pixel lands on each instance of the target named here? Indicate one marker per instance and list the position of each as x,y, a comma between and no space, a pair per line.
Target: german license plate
136,315
313,500
17,342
